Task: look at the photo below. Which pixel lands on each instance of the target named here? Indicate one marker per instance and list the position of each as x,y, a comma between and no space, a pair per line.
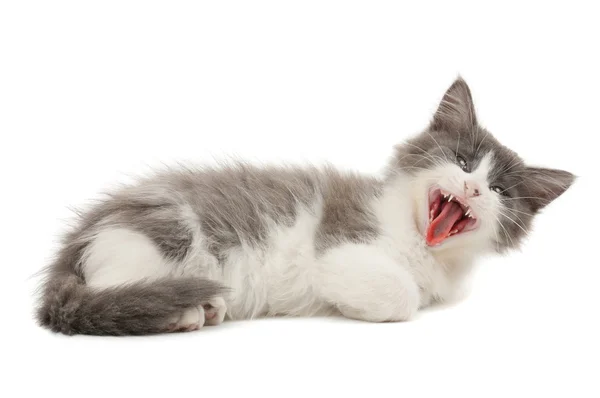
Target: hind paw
214,311
186,321
210,313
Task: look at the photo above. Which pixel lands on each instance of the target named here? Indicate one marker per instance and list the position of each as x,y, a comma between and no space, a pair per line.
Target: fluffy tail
69,306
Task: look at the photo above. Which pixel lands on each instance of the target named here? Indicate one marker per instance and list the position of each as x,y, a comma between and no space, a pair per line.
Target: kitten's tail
69,306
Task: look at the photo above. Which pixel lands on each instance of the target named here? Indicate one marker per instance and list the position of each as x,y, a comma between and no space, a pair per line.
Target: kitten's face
469,190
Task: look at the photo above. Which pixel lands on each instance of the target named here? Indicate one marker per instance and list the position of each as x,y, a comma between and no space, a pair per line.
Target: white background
91,92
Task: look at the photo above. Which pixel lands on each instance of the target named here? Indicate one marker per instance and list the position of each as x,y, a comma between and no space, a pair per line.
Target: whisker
425,152
505,231
513,221
434,140
519,211
510,166
523,197
481,142
512,186
422,157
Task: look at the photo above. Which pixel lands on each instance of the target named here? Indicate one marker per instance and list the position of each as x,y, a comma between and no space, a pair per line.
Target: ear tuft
545,185
456,111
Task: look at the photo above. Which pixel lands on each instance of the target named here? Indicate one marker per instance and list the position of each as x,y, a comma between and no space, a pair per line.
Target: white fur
190,319
278,279
216,314
363,282
388,279
195,318
120,255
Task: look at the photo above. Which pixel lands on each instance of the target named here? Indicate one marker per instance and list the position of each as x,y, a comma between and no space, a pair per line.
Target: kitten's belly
277,278
281,278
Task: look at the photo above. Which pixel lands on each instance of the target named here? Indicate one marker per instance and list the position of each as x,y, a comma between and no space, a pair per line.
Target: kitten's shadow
332,318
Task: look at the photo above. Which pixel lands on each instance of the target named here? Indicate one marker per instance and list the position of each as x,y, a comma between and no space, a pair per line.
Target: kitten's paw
214,311
210,313
400,306
186,321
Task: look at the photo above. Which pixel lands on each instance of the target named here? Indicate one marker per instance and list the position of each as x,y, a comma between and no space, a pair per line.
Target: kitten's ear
456,112
545,185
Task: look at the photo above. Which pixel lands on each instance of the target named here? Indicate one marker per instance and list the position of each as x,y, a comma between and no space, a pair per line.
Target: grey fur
454,131
237,203
232,205
346,214
69,306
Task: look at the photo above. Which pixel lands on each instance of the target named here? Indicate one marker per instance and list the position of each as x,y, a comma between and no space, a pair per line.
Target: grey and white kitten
188,248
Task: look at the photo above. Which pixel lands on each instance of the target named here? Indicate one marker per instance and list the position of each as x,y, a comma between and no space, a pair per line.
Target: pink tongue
440,227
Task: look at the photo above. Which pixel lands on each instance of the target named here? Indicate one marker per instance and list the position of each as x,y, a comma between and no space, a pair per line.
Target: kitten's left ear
456,112
545,185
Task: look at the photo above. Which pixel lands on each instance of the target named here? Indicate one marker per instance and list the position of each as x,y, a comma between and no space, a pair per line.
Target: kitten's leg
120,255
364,283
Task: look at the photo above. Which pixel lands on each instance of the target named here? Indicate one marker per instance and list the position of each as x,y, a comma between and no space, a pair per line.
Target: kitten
187,248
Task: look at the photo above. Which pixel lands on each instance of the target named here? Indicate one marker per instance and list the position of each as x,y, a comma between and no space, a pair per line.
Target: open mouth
448,216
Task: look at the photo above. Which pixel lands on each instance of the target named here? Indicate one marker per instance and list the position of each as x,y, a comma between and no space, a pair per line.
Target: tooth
450,198
468,212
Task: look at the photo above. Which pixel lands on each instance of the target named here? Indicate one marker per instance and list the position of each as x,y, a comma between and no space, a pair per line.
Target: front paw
406,306
401,306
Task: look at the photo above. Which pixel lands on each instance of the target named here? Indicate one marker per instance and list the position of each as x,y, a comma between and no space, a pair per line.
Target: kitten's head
470,191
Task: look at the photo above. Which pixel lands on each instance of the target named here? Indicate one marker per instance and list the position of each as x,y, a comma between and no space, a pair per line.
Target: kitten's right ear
456,112
544,185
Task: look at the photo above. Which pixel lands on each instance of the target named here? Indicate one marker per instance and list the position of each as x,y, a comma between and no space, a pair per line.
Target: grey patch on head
530,189
454,131
347,215
456,111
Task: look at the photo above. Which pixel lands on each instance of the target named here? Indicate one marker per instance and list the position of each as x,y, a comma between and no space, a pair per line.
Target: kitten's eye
461,162
499,190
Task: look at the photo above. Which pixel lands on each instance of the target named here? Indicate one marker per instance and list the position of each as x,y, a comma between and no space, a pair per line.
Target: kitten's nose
472,189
